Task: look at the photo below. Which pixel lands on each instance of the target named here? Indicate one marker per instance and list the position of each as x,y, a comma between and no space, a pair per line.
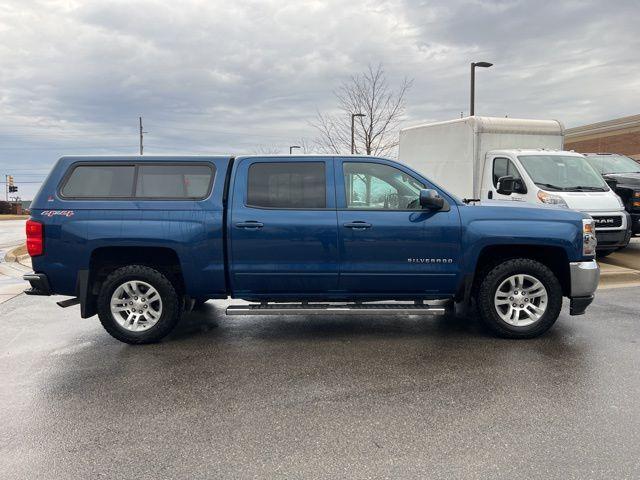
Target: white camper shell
469,155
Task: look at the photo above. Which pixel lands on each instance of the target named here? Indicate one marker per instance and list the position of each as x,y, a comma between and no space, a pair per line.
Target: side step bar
324,309
69,302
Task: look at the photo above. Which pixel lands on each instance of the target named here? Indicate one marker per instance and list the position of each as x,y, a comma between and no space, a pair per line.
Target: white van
512,159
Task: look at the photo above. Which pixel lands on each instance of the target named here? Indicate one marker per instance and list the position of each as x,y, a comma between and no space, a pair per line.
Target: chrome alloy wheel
521,300
136,306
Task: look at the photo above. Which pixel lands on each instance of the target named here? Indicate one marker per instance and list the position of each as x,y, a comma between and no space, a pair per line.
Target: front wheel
138,304
519,298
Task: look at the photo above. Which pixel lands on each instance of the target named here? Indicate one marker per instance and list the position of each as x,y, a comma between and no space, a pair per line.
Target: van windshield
563,173
613,164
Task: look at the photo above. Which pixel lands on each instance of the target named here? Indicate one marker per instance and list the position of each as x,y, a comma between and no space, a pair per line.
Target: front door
389,245
502,167
283,228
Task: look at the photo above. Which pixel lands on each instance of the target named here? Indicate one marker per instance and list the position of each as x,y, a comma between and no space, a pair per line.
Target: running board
324,309
70,302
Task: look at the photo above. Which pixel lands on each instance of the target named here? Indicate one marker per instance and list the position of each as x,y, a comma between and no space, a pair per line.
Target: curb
614,276
13,256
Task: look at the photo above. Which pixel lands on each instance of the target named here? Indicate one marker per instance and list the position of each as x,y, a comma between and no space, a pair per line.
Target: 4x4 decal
62,213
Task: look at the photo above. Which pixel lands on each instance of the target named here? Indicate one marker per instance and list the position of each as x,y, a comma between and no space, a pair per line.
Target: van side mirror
505,185
613,184
519,186
430,199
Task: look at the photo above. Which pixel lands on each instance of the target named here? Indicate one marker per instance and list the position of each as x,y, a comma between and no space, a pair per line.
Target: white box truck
514,159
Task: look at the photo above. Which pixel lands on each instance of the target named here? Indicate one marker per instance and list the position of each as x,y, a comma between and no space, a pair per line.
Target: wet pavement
321,397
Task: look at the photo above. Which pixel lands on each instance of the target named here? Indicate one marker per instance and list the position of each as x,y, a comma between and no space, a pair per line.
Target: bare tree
376,133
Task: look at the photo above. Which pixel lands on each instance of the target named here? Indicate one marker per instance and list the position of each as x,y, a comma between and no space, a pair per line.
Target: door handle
357,225
250,225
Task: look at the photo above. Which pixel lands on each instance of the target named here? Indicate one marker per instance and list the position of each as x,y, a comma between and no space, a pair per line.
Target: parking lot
296,397
308,397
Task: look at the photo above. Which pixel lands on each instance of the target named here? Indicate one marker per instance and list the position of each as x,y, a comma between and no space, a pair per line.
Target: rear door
389,245
283,227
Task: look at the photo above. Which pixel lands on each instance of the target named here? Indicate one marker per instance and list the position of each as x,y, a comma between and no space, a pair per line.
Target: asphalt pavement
320,397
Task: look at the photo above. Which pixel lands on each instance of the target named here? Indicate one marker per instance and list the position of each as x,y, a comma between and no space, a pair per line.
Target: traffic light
12,188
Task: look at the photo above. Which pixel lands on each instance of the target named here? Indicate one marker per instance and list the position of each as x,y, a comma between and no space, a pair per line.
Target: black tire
491,282
605,253
172,304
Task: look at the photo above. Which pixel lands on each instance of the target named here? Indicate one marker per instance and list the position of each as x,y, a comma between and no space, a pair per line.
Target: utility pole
141,136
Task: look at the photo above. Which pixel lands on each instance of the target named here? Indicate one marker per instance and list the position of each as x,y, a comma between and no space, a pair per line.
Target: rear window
100,181
153,181
173,181
287,185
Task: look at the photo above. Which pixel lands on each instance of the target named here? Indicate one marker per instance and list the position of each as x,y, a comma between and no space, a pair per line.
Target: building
621,135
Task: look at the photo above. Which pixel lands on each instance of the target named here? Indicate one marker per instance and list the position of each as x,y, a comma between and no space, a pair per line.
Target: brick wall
625,144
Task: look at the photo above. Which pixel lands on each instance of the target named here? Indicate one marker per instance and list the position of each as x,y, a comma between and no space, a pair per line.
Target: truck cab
622,174
561,178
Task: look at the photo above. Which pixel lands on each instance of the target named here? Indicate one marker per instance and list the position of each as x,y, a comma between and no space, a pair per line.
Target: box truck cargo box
453,152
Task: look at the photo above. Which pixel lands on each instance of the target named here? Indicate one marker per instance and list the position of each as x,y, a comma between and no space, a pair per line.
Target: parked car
477,157
139,239
623,176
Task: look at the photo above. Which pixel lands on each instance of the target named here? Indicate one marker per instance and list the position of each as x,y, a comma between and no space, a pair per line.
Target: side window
379,187
287,185
503,167
174,181
100,181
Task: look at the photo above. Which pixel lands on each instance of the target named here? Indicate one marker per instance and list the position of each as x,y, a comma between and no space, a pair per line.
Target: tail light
35,238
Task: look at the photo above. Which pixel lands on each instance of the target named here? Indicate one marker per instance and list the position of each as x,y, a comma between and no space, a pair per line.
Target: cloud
224,77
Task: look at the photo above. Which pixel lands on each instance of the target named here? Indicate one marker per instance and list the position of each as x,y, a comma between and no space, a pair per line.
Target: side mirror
519,186
613,184
505,185
430,199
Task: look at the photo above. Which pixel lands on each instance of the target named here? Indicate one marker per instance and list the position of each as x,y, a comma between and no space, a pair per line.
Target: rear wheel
520,298
138,304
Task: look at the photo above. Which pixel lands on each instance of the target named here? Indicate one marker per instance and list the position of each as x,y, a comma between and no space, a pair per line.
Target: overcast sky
228,76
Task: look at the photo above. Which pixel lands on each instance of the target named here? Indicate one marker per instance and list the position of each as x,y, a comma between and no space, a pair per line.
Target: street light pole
353,139
292,147
472,108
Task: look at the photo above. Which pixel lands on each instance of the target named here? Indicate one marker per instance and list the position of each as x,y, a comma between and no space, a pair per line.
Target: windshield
613,164
560,172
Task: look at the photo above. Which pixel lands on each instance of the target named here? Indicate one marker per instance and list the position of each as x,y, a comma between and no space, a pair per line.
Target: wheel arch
555,258
104,260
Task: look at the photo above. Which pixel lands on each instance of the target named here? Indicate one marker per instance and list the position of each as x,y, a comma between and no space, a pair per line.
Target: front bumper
635,223
584,282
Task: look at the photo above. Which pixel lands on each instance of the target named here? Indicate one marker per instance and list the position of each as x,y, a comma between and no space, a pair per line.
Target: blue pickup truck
138,240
